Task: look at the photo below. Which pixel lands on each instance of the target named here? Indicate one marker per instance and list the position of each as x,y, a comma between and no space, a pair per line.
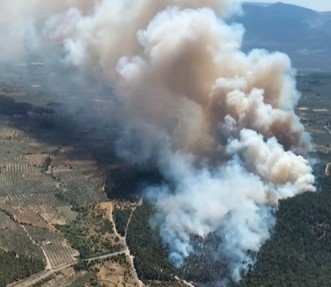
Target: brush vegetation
15,267
91,232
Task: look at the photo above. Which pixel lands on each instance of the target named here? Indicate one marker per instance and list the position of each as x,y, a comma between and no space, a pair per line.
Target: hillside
302,33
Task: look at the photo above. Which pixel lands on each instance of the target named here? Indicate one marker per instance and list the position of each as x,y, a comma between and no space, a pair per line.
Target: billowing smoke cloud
218,123
21,23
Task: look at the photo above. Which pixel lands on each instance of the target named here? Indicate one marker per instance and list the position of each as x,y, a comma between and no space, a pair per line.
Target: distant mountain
261,4
302,33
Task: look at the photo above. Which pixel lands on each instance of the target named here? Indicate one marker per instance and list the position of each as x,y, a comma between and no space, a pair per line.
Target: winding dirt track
28,282
131,258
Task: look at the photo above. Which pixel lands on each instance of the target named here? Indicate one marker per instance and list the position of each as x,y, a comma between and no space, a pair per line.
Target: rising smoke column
221,127
218,123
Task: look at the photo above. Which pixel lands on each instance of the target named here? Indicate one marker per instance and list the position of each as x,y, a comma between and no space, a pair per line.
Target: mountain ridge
302,33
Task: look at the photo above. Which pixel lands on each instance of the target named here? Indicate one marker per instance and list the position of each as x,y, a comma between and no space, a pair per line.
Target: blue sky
320,5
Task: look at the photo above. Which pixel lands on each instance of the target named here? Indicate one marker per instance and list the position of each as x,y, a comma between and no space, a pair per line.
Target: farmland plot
14,238
54,245
28,216
45,175
36,159
12,151
7,133
20,187
82,186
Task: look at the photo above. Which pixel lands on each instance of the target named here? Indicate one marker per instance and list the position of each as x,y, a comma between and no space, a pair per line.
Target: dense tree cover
9,107
204,265
127,182
121,217
150,257
299,251
14,267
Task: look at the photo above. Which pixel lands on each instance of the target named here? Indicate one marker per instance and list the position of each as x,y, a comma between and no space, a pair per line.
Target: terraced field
52,192
41,177
55,247
87,190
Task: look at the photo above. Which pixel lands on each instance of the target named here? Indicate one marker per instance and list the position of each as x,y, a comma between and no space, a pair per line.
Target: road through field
43,275
28,282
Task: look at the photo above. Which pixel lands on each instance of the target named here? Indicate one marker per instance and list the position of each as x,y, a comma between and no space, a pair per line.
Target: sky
319,5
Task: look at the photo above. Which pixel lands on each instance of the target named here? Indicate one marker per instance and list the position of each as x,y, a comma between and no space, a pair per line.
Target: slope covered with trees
14,267
299,252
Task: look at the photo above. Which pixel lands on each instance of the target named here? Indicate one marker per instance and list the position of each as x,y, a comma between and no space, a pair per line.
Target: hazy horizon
318,5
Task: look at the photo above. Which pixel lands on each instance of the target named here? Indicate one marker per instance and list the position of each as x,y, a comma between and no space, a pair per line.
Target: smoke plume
218,123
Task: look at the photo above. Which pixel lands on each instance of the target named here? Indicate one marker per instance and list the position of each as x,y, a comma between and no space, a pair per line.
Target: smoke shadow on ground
127,182
49,125
61,106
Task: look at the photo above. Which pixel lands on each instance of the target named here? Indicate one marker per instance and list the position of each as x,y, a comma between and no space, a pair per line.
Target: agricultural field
14,238
49,182
57,251
315,108
70,209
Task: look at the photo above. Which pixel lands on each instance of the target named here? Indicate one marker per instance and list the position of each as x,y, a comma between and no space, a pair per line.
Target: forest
121,217
298,253
15,267
150,257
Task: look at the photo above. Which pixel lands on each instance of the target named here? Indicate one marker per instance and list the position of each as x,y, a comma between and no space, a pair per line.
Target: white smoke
218,123
224,131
